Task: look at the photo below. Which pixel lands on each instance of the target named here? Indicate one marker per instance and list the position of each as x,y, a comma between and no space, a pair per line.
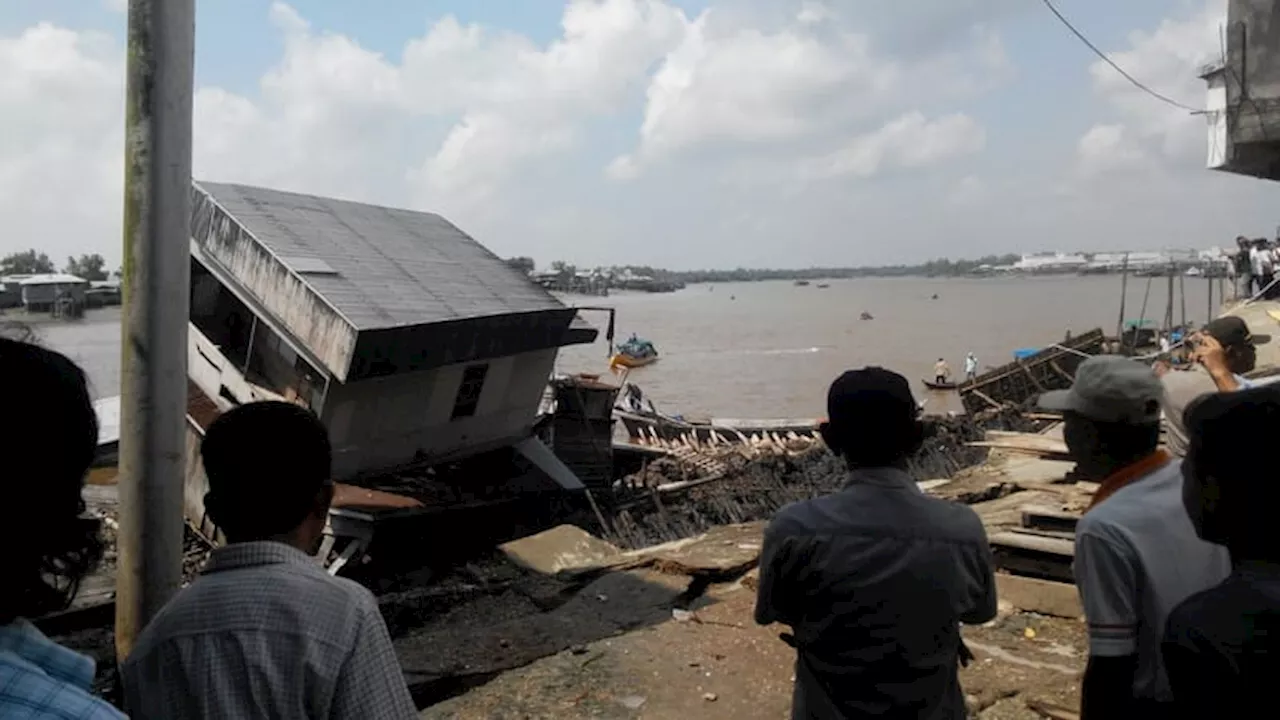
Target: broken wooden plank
1060,547
1045,597
1037,532
1029,441
1047,518
564,549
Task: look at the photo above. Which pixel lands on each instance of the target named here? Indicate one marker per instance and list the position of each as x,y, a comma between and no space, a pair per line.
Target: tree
26,263
90,267
523,264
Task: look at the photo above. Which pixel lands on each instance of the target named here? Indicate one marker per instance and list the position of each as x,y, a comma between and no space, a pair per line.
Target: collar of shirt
1128,474
255,554
886,477
29,645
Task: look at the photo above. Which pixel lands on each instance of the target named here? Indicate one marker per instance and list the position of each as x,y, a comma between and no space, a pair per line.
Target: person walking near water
874,580
970,366
941,372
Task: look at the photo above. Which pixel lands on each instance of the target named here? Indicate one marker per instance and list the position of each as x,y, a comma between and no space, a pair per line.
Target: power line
1136,83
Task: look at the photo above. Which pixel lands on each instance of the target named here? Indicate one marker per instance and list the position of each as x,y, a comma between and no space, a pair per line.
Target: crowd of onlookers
1176,561
1253,266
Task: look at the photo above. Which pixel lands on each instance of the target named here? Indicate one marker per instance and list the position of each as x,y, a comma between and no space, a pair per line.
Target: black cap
870,395
1231,331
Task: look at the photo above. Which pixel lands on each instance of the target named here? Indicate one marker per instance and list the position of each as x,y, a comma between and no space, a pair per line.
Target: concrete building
41,293
1243,102
408,338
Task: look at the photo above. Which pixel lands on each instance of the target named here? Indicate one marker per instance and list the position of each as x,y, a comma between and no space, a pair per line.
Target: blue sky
677,133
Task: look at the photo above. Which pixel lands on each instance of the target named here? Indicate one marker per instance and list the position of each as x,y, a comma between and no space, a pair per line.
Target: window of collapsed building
468,398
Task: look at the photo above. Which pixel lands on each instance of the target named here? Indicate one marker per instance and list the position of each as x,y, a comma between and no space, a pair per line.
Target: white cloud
117,6
754,133
61,141
911,141
1165,60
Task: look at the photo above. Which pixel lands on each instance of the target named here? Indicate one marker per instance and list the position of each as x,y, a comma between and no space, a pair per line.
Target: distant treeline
941,267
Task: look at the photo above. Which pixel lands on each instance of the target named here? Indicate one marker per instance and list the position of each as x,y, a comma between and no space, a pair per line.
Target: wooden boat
634,353
867,316
1052,368
823,286
649,426
934,385
802,283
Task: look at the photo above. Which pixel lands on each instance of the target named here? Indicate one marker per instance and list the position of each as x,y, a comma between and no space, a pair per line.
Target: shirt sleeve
777,564
980,578
371,685
1107,577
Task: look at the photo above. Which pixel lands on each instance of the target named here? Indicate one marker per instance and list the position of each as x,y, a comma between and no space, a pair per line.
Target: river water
769,349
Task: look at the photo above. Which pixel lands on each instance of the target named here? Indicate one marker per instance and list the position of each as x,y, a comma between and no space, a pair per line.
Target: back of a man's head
872,418
1232,491
266,463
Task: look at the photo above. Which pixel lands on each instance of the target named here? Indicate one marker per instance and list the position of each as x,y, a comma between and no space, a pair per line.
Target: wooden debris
1047,518
1049,711
562,550
1048,558
1045,597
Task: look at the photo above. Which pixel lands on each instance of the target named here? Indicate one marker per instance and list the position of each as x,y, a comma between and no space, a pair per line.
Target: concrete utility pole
157,277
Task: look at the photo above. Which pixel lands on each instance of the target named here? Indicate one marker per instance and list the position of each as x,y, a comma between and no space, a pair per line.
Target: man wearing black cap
875,580
1225,349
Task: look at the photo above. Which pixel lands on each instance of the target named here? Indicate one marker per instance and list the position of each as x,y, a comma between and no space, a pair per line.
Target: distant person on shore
1225,348
1222,646
49,548
1262,265
970,366
875,580
1243,265
941,372
1136,553
265,631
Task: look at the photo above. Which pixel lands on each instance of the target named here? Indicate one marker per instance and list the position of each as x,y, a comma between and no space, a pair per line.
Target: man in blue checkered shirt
48,452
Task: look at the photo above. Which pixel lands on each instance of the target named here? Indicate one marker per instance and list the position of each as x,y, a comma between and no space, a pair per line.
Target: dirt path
721,665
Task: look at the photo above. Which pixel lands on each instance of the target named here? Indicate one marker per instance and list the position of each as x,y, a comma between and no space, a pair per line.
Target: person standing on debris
970,366
1226,349
51,548
1136,553
875,580
1243,265
265,631
1262,266
1222,646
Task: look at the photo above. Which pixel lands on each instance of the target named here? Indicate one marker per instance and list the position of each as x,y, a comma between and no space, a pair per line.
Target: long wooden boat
645,427
1052,368
933,385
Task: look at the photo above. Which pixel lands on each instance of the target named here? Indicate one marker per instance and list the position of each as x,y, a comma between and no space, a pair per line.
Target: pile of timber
1021,380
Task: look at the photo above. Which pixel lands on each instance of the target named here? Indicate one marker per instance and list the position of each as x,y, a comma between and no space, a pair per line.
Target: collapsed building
414,344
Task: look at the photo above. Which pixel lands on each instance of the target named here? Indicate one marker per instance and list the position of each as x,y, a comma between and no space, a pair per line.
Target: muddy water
770,349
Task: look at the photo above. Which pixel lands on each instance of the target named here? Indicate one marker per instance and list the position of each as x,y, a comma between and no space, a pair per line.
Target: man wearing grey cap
1136,553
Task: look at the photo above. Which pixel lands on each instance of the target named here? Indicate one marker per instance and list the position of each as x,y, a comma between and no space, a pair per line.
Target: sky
674,133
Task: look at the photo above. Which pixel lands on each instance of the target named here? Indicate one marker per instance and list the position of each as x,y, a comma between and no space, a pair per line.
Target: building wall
45,294
387,422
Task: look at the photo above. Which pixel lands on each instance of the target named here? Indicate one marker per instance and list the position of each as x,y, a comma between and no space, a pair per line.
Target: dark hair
51,441
265,462
1225,431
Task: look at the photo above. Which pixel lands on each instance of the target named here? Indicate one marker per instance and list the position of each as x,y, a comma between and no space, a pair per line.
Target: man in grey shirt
1136,552
875,580
265,632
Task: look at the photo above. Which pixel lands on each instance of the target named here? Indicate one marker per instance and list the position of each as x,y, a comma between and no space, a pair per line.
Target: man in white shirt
1263,265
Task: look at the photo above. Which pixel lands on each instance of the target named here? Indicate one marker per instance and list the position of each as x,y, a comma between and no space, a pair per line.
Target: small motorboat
823,286
802,283
935,385
634,353
867,316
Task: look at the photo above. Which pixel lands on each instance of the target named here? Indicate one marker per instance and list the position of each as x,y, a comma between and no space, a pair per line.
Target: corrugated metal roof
381,267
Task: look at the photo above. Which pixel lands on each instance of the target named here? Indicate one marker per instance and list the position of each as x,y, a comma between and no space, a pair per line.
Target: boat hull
630,361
